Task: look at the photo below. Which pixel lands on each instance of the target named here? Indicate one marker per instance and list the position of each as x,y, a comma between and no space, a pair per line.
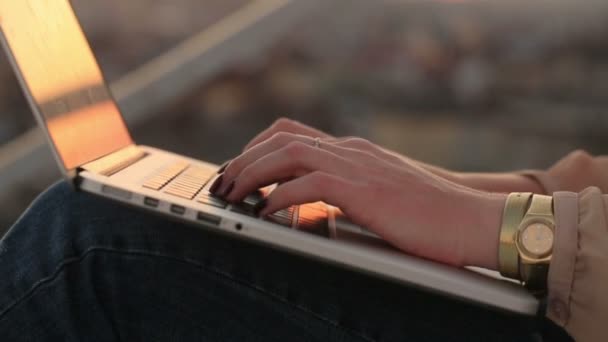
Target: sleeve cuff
561,270
577,297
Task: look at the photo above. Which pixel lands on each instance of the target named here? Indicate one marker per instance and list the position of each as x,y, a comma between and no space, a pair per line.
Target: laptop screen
62,80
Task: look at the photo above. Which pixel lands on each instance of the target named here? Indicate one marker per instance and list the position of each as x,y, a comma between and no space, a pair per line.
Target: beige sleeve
575,172
578,275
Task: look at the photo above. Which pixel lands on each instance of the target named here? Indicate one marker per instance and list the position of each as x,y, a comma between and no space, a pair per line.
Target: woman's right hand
284,125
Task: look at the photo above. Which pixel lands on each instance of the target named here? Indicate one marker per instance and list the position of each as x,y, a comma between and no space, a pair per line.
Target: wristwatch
534,241
526,239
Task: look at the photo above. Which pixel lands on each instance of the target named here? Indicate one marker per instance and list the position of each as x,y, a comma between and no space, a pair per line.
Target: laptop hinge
115,161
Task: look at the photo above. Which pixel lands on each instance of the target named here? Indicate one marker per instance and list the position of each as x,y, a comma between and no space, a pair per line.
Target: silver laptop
92,145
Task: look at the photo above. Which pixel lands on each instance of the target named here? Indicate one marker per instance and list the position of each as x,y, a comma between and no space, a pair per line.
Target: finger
293,160
288,126
279,141
313,187
268,146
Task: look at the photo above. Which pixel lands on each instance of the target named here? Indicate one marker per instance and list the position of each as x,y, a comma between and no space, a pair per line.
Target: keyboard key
188,183
312,218
247,205
243,208
253,198
165,175
283,217
186,194
279,220
212,201
285,213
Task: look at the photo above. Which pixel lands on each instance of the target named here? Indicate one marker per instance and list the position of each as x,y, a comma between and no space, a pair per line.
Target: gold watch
534,241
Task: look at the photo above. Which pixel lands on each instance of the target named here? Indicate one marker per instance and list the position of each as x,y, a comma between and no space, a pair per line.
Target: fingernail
216,184
258,207
223,167
228,190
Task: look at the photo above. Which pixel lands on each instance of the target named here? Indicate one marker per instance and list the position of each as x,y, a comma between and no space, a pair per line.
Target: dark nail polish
216,184
223,167
258,207
228,190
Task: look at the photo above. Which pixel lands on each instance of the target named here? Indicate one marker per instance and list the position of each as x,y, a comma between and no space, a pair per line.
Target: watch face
537,239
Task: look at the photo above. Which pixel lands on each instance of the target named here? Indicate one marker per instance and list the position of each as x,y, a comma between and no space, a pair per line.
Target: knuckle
576,163
360,141
282,123
581,157
248,175
234,167
295,149
284,193
282,137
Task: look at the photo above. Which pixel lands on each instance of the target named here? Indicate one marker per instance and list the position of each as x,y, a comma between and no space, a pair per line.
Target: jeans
76,267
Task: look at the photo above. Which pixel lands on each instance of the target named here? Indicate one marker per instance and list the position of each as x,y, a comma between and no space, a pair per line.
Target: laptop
93,148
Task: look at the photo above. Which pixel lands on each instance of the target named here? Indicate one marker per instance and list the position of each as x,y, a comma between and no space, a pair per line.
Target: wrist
455,177
483,239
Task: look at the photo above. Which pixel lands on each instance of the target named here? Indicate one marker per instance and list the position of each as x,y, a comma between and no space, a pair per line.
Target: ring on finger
317,142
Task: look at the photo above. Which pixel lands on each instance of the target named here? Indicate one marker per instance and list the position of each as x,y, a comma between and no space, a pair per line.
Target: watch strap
535,277
508,255
541,205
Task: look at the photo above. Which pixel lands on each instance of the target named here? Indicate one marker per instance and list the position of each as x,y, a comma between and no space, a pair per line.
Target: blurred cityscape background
469,85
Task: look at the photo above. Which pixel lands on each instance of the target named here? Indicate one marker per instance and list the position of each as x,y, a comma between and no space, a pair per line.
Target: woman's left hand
409,207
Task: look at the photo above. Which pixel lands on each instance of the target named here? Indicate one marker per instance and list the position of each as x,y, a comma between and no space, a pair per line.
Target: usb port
208,218
151,202
116,192
178,209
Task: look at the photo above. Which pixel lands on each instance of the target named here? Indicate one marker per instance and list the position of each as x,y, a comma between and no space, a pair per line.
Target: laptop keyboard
186,181
164,176
189,182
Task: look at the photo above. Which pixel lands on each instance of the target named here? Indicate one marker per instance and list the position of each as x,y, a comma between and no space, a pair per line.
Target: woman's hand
284,125
411,208
490,182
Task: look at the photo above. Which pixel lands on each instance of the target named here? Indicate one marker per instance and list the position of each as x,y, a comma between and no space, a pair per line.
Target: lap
78,267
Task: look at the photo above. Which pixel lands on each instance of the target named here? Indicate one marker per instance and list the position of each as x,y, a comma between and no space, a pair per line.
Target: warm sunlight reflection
314,212
49,46
63,78
78,137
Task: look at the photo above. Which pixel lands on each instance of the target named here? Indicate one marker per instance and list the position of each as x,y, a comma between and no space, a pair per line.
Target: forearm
499,182
491,182
575,172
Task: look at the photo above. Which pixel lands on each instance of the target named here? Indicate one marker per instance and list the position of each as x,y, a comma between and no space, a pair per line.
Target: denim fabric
80,268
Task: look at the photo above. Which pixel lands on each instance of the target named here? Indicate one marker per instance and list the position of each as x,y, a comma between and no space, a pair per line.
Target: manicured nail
223,167
228,190
216,184
258,207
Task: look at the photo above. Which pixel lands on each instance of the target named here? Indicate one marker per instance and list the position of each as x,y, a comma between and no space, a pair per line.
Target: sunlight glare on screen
63,79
